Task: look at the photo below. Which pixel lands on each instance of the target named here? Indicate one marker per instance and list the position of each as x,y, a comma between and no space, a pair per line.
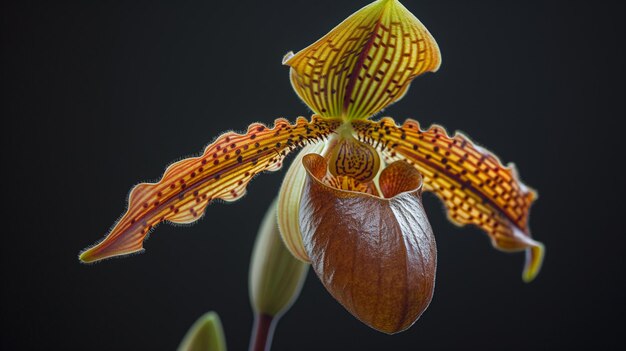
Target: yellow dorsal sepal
365,63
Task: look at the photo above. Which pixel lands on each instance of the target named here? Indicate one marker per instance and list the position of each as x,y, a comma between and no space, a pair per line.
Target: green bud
206,334
276,277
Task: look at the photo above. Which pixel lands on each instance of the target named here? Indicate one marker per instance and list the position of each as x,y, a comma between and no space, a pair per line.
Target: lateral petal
365,63
376,256
222,172
472,182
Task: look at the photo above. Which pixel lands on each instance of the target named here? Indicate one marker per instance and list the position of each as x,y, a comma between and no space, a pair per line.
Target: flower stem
262,332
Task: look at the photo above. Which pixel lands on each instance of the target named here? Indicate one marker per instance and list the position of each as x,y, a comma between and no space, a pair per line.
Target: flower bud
276,277
206,334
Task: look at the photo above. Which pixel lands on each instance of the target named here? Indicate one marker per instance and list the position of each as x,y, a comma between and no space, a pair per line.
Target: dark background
97,96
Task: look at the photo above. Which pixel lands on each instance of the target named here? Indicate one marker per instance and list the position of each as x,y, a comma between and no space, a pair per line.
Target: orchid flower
350,203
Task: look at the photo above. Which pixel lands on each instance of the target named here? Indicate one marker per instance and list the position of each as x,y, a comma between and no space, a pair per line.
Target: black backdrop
97,96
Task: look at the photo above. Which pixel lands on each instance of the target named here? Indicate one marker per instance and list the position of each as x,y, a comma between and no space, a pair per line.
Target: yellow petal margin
365,63
473,184
222,172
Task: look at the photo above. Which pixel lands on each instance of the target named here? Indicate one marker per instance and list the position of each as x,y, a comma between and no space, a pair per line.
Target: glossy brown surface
376,256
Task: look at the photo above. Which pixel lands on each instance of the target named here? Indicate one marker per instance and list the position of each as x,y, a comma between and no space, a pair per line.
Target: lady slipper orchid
350,203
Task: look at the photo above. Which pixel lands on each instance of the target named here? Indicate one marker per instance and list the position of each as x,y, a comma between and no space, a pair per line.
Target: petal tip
86,257
534,261
287,57
99,252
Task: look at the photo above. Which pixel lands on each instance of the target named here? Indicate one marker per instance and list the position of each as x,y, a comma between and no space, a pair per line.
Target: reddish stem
262,332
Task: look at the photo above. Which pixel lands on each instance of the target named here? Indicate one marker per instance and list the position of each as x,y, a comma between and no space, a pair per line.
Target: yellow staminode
365,63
